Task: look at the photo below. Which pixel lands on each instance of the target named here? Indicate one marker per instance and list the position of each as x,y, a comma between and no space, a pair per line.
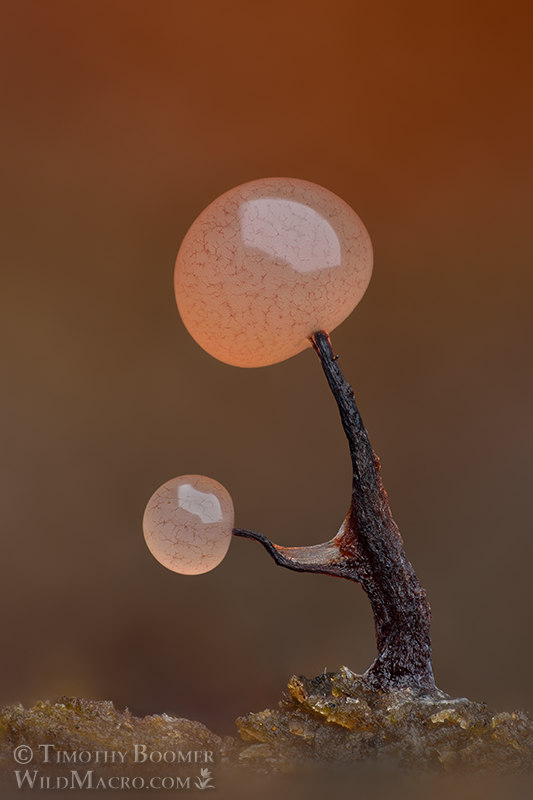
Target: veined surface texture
266,265
188,524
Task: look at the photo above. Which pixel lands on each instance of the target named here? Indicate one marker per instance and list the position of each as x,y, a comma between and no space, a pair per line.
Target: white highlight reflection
291,232
203,504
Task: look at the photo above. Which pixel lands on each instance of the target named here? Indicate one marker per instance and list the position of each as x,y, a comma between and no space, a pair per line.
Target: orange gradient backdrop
120,122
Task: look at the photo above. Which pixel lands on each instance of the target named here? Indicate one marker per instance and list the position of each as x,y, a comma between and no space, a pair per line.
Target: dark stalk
368,549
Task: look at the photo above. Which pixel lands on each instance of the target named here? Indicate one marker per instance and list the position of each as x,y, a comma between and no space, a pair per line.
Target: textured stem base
368,550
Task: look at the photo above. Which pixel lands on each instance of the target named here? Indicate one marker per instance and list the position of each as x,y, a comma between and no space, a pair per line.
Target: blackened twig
368,549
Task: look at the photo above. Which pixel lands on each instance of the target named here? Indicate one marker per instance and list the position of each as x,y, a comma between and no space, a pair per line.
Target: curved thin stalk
368,549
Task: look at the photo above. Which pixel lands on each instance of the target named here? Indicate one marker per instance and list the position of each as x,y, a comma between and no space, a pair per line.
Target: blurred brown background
121,120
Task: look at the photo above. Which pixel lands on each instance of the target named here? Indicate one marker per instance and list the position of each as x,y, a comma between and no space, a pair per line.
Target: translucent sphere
268,264
188,524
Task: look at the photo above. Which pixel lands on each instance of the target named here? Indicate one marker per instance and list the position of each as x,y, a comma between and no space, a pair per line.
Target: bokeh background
121,121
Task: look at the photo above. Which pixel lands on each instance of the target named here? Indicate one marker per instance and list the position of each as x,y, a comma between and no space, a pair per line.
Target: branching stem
368,549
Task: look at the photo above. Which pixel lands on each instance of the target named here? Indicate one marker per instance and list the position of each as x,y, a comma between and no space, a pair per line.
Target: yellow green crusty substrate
332,719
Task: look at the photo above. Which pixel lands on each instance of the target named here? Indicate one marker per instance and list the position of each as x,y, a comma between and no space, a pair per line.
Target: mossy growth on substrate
331,719
337,718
